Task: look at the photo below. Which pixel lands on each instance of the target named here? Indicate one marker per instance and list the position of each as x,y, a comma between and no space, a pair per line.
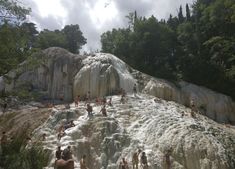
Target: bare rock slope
58,73
142,123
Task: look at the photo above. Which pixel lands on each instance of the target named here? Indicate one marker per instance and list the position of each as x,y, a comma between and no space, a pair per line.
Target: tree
48,38
188,15
12,10
74,38
13,46
70,38
180,15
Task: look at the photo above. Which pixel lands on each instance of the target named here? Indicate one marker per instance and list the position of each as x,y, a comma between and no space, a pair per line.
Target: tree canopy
198,47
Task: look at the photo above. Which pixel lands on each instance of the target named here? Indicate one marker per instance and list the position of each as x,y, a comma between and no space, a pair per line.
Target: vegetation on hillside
198,47
17,154
19,38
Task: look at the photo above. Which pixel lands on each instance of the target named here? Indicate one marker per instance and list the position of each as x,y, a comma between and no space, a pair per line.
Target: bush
16,155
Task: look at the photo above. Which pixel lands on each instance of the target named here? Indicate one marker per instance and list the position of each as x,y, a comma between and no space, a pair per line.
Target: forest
197,45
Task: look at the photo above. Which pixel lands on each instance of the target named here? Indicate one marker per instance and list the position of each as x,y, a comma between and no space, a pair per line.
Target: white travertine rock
142,123
61,73
217,106
102,74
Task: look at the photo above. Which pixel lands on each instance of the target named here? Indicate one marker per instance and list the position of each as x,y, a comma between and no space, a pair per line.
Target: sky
95,17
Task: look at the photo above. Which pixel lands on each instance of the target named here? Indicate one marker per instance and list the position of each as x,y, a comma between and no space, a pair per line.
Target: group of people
67,154
137,157
63,127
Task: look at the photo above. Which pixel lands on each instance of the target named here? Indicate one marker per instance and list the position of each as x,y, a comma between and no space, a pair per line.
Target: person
4,143
29,140
67,153
4,107
58,153
123,93
61,97
123,164
193,108
88,97
72,123
144,161
135,89
76,102
89,109
104,100
4,138
104,112
110,102
122,100
61,132
167,158
83,162
43,137
69,125
135,159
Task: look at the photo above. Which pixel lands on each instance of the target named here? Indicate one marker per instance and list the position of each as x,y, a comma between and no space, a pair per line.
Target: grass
17,155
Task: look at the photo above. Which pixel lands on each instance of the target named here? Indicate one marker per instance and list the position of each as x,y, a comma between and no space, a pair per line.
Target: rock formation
142,123
57,73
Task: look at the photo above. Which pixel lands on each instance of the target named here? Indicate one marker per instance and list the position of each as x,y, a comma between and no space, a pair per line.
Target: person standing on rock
75,102
83,162
123,164
122,100
110,102
167,158
104,111
144,161
88,97
61,97
104,101
4,107
67,153
89,109
135,90
193,108
58,153
135,159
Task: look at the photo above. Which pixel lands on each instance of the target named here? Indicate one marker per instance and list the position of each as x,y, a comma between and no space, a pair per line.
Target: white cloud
97,16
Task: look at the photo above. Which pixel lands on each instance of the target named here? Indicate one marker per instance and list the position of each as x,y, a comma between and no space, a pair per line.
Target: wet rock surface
142,123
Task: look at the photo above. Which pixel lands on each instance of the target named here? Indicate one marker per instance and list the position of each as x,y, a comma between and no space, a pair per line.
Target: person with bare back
89,109
83,162
110,102
67,153
4,143
144,161
76,102
193,109
58,153
104,111
167,158
135,159
123,164
135,89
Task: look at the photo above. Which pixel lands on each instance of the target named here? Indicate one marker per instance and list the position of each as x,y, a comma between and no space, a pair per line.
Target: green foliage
198,48
18,155
70,38
48,38
12,10
13,46
74,38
